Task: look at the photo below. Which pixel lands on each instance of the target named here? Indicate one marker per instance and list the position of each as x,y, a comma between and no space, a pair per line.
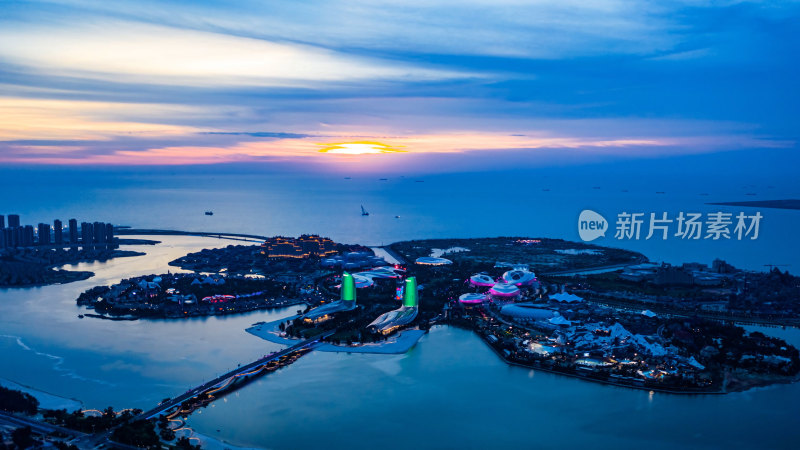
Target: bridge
155,232
223,380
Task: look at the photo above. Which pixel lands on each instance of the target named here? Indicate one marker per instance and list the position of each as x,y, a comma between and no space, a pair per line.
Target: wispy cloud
149,82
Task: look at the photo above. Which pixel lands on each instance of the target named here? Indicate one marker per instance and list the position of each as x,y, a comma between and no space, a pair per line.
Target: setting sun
359,148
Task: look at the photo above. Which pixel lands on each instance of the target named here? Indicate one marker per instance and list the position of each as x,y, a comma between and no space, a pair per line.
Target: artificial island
603,314
599,314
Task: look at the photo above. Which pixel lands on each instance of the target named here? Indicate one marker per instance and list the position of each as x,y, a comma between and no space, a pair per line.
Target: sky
388,85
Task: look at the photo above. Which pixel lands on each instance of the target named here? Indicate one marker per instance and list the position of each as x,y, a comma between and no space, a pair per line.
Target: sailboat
364,211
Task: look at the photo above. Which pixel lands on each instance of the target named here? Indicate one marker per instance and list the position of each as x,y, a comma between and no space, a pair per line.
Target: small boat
660,192
80,316
750,193
347,178
382,179
364,211
396,217
209,213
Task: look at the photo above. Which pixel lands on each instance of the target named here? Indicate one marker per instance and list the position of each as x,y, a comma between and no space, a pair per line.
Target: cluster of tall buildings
306,245
87,235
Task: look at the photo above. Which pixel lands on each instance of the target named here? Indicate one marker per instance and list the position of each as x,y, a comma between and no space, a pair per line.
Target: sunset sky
209,82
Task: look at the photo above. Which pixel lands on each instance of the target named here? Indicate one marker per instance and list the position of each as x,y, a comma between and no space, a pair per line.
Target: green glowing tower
348,288
410,292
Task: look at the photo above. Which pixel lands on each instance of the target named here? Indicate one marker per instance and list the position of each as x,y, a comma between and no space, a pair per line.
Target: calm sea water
536,203
448,392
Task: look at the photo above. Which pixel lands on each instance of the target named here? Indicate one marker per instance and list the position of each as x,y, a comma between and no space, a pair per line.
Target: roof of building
519,277
472,298
432,261
504,290
565,297
481,279
526,311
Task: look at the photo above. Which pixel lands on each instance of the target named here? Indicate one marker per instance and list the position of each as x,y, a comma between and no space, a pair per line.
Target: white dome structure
481,280
504,290
433,261
472,298
519,277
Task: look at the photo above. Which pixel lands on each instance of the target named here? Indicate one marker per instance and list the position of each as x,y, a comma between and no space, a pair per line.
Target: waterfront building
390,321
73,232
10,237
316,245
43,233
3,238
27,236
347,302
87,235
109,235
58,232
13,221
2,221
303,247
99,231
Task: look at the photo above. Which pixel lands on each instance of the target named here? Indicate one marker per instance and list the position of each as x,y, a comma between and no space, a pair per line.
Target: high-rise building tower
99,229
58,232
410,292
27,236
13,220
44,233
348,288
110,233
73,232
87,235
2,221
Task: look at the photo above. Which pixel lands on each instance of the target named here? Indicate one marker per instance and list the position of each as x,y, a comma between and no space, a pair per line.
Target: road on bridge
222,378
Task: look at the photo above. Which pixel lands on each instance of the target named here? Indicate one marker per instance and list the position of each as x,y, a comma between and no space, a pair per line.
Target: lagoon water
450,391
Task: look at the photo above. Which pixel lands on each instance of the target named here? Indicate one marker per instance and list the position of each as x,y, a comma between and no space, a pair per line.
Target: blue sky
144,82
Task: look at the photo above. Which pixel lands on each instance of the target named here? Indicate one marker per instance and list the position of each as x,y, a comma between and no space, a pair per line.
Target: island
602,314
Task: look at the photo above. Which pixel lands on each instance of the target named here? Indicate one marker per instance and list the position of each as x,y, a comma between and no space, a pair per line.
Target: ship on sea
209,213
364,211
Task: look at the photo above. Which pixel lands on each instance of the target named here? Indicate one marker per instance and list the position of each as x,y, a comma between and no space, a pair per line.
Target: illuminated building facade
346,302
392,320
280,247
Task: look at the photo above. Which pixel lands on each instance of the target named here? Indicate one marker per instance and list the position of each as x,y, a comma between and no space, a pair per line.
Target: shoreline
395,345
46,400
743,388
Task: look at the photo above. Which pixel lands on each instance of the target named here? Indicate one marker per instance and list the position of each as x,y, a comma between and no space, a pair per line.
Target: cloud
138,52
